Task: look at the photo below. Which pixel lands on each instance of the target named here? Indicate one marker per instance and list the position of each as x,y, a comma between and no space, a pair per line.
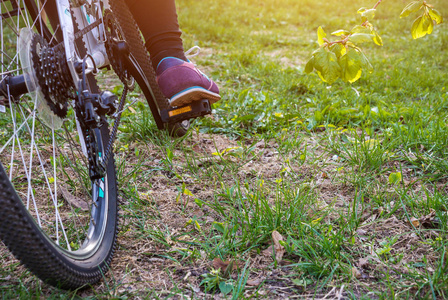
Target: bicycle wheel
54,218
138,50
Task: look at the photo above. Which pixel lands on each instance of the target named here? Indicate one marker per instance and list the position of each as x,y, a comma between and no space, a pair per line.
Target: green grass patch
353,177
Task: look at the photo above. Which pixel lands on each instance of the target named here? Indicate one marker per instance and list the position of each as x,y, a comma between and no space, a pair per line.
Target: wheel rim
45,161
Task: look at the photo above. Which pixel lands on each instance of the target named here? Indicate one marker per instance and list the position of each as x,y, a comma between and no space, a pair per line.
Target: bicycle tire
67,242
138,50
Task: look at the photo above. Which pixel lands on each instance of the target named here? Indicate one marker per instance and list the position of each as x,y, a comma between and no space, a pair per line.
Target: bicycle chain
114,131
79,34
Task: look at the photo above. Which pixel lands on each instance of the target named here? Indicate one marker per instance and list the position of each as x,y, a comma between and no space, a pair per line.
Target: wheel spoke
18,110
26,170
52,193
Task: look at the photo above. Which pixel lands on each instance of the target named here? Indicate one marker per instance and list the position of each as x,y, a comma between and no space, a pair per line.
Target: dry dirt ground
145,267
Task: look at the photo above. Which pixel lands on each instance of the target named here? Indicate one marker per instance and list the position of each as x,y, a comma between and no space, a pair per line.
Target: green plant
214,281
345,59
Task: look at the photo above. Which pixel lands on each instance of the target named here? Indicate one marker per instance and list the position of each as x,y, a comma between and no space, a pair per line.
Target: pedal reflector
179,111
193,110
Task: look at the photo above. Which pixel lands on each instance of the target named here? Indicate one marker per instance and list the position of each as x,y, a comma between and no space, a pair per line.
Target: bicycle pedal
193,110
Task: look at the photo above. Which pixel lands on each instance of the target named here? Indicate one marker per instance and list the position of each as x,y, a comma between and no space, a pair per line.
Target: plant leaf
169,154
219,226
368,14
377,38
340,32
371,144
360,29
362,10
394,177
225,151
422,26
351,67
225,287
309,65
326,65
365,63
359,38
410,8
321,35
436,16
338,49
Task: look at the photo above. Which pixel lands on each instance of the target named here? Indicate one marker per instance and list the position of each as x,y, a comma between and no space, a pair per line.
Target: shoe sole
193,94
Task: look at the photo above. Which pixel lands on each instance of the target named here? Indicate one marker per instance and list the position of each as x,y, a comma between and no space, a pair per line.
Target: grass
284,152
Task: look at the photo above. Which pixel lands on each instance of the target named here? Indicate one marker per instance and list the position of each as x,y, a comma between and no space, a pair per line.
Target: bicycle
58,189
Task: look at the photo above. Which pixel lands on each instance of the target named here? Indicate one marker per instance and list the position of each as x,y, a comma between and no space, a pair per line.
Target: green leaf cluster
365,33
342,60
424,24
367,14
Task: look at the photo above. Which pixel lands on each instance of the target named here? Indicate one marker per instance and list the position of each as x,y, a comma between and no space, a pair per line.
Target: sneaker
183,83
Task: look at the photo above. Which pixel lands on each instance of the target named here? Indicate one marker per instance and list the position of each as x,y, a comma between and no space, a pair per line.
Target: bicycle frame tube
68,34
94,40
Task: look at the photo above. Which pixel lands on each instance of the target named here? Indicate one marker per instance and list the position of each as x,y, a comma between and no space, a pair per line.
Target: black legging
157,20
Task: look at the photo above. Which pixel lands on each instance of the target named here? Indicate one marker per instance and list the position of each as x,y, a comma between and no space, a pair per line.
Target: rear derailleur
91,110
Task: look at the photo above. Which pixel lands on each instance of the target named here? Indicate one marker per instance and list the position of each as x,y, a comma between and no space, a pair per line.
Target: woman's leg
179,79
157,20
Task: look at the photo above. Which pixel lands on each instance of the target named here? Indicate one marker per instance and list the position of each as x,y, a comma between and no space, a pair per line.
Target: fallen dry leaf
361,232
226,267
219,264
415,222
363,262
356,273
278,248
74,201
268,251
254,282
276,237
